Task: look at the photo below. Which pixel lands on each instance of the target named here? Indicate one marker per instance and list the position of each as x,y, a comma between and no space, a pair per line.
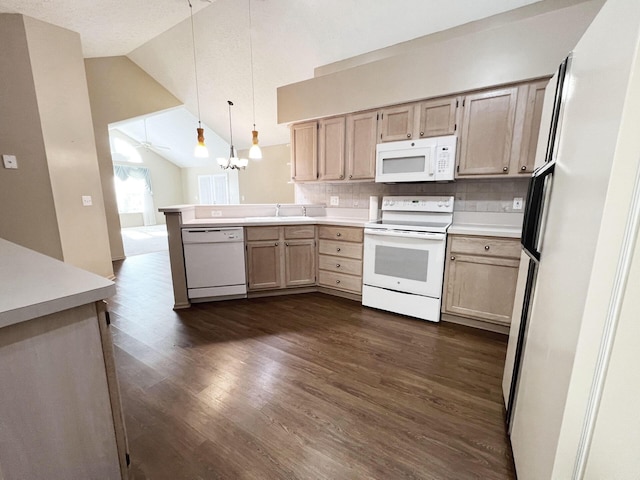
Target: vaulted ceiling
290,38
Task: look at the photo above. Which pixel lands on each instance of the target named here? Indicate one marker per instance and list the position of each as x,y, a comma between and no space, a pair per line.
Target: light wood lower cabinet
59,398
480,277
280,257
340,258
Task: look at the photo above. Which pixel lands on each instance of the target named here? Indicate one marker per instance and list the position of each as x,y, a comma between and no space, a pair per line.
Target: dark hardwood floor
302,386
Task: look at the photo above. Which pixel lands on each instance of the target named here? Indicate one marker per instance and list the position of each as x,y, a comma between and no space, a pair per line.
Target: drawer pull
338,249
505,169
408,135
453,258
337,281
337,265
486,247
338,234
276,244
524,168
286,244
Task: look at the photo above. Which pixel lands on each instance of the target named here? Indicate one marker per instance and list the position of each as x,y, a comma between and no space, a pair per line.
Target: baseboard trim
470,322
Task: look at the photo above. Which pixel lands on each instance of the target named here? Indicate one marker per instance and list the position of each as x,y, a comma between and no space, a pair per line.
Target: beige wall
118,90
267,180
516,51
166,179
65,117
27,211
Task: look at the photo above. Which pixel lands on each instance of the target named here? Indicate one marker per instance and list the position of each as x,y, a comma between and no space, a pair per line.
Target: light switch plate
87,200
517,203
334,200
10,161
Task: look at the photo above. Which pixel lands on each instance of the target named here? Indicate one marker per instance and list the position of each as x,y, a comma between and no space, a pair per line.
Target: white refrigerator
576,412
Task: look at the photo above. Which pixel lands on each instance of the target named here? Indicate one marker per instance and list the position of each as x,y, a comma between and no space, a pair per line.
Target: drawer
489,246
347,234
340,281
262,233
340,249
299,231
342,265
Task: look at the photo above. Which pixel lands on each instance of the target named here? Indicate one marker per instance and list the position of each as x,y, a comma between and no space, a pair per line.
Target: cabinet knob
276,244
422,134
505,169
486,247
337,265
337,281
341,177
286,244
338,234
338,249
350,176
408,135
523,168
452,257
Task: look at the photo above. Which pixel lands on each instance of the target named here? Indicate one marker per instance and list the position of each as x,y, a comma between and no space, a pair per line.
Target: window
213,189
133,185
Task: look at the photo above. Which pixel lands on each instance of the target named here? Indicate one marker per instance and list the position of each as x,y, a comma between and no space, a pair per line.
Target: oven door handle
405,234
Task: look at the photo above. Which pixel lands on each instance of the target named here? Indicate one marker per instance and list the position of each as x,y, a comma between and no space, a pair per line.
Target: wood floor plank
301,387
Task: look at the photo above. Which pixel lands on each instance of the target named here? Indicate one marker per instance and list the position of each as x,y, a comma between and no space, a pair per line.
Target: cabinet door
263,264
304,151
396,123
331,149
481,287
438,117
531,127
487,132
362,129
300,262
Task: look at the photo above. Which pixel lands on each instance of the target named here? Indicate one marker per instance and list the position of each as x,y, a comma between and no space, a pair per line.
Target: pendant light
254,152
233,161
200,150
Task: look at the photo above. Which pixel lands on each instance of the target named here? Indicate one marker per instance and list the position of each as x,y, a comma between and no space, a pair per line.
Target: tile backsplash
470,195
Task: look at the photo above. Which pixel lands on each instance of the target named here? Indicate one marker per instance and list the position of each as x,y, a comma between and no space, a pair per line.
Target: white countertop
275,221
33,285
487,224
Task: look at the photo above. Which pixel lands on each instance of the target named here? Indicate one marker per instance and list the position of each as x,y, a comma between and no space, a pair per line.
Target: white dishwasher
214,263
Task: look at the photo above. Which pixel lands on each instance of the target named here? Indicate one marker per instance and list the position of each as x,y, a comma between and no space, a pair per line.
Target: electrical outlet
517,203
216,213
87,200
10,161
334,200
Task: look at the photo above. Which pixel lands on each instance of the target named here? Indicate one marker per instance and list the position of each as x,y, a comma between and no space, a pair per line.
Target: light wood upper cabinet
487,132
480,277
331,148
438,117
397,123
362,130
531,126
304,151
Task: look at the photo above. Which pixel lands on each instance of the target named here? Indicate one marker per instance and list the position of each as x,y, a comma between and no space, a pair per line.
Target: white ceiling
290,39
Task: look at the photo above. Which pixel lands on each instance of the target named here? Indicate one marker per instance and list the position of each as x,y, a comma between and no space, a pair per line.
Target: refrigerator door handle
534,210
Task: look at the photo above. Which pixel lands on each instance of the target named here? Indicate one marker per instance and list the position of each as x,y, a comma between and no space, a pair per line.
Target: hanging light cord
195,63
253,91
230,129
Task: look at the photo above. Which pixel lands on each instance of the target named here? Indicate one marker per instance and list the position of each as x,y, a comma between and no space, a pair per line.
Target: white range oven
404,255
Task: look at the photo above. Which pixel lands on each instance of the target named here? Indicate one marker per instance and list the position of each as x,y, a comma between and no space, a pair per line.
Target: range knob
440,204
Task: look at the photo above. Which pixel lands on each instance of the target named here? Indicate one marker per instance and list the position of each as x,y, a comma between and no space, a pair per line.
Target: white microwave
423,160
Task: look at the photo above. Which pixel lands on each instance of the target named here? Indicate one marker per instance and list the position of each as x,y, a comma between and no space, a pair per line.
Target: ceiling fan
147,145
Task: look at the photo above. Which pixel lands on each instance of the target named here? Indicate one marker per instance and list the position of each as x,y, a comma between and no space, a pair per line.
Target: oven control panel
418,204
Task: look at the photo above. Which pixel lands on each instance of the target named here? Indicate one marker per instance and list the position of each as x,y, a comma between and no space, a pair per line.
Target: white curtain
123,172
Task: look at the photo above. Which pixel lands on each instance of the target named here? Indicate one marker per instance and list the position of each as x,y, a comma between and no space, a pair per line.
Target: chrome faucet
304,211
277,209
